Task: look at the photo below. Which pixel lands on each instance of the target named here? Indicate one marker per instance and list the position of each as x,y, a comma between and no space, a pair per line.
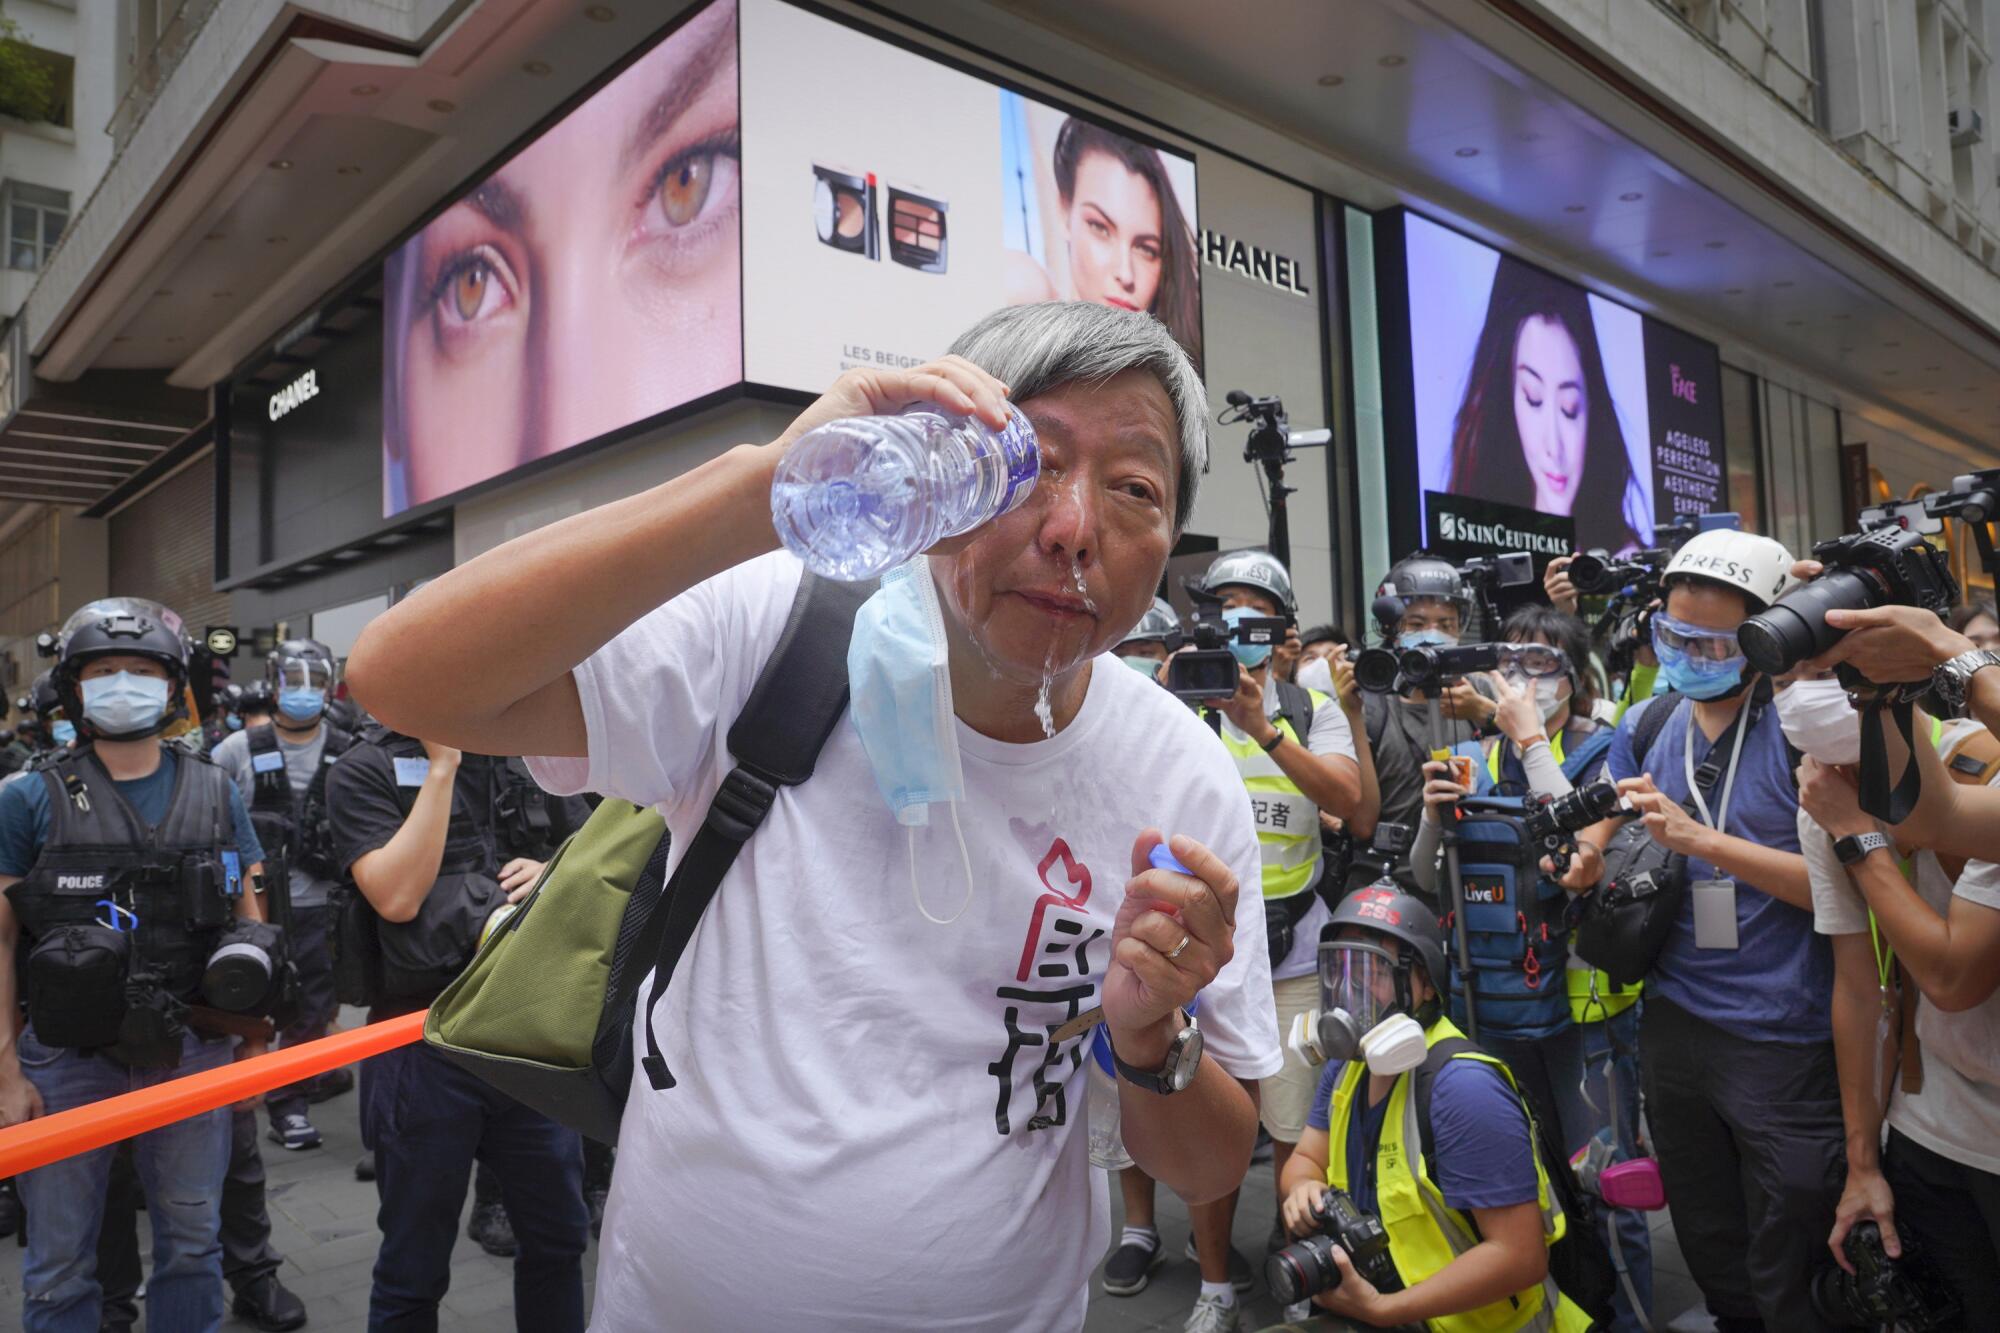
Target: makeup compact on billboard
1536,407
916,231
844,210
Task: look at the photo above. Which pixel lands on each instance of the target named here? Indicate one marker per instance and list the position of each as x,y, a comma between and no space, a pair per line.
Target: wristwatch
1953,681
1183,1059
1855,846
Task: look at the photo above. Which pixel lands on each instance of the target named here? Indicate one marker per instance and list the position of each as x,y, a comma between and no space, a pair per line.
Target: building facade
1779,217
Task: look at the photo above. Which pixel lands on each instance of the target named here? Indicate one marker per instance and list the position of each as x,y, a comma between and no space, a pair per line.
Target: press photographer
1735,1043
1458,1223
1557,1023
1421,603
1916,1023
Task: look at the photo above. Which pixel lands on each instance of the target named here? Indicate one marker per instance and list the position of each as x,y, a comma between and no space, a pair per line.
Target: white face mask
1820,722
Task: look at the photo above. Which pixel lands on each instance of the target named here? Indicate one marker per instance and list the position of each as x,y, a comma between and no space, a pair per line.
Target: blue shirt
1778,984
24,815
1484,1157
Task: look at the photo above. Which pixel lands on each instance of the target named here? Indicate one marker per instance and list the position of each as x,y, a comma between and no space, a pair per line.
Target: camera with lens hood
1554,821
1906,1293
1306,1267
1205,670
1886,566
1386,671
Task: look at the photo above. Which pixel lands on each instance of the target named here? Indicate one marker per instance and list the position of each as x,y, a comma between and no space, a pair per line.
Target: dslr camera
1205,671
1886,566
1881,1292
1554,821
1306,1267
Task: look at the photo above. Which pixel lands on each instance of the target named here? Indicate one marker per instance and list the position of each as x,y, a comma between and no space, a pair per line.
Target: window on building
1743,446
35,85
36,217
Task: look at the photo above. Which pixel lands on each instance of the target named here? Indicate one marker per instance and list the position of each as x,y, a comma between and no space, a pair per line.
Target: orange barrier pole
67,1133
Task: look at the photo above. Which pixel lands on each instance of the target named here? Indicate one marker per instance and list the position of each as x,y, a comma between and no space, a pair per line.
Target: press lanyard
1885,955
1729,781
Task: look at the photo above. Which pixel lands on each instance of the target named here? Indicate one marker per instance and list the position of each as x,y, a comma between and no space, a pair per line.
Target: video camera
1554,821
1306,1267
1906,1293
1385,670
1388,849
1205,670
1887,566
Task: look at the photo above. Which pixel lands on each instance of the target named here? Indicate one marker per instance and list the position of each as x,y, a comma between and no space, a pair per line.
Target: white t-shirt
1330,736
863,1095
1957,1113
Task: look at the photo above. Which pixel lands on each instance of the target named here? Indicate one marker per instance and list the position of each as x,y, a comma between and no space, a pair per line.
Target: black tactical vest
308,843
100,856
423,955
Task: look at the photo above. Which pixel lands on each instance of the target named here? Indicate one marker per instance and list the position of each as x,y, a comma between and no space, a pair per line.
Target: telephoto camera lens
1302,1270
1795,628
1375,670
1590,572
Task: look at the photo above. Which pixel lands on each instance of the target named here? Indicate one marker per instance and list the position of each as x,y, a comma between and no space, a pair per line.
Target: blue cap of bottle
1163,859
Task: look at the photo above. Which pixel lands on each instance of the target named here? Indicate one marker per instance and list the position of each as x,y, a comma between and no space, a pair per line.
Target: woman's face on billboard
1114,234
591,282
1551,411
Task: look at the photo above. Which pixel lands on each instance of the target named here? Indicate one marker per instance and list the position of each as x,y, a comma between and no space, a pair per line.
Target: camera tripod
1461,962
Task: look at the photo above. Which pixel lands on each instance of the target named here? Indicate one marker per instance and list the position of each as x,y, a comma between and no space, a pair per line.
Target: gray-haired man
879,1099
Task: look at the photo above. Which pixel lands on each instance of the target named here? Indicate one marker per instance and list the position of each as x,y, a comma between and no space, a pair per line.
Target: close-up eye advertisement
918,196
592,281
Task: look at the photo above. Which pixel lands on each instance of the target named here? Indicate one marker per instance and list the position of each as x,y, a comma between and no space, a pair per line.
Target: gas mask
1364,1011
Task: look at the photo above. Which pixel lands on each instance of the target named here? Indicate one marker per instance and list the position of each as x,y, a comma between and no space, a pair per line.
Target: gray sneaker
1212,1316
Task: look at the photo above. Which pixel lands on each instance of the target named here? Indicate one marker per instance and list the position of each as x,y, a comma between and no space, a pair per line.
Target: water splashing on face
1044,714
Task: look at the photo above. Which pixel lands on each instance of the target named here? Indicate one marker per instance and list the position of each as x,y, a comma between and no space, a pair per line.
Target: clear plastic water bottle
1107,1143
856,498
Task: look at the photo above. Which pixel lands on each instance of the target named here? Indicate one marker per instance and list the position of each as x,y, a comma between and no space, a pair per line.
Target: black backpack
1580,1262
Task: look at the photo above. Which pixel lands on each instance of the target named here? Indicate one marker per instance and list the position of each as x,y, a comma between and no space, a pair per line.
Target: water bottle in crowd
856,498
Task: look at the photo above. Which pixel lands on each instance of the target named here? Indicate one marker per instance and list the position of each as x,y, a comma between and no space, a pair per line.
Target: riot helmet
1159,625
300,674
1417,577
121,627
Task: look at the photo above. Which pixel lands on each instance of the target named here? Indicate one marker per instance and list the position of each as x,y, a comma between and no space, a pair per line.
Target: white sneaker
1212,1315
1298,1314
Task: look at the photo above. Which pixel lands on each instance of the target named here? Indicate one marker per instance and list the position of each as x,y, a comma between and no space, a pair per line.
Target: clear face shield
1360,1013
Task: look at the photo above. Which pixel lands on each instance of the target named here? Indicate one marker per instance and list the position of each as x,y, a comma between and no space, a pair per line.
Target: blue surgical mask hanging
62,731
1251,655
899,703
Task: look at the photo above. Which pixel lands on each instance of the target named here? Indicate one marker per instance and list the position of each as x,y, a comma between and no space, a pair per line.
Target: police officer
1295,751
415,827
126,862
280,767
1470,1217
42,729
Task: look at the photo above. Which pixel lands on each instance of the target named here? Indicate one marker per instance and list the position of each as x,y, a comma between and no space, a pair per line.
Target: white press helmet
1757,567
1158,625
1252,569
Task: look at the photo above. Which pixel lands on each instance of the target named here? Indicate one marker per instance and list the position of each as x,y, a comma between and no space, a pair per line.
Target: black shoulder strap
1374,716
1652,717
1295,703
794,706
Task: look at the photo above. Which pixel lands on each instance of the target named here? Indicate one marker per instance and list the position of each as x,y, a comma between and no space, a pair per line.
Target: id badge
1714,913
412,772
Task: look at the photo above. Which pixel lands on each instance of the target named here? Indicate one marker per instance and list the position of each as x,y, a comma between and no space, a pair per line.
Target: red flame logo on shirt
1079,875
